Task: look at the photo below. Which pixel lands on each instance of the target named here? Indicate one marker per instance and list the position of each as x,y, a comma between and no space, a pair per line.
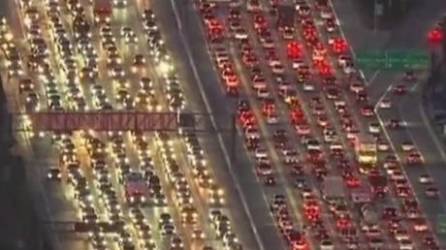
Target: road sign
393,60
441,223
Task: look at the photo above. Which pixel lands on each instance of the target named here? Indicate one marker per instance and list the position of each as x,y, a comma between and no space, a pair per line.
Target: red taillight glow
435,35
339,46
294,50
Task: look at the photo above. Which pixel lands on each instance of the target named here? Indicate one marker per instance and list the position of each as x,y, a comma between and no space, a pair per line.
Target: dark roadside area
393,12
20,228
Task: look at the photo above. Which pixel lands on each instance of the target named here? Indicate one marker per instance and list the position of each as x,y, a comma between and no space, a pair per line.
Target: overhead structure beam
114,121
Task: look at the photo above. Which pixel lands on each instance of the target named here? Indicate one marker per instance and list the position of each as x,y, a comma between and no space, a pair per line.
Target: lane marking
372,79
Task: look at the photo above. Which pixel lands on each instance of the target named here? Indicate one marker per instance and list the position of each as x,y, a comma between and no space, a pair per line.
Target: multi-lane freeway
296,175
115,190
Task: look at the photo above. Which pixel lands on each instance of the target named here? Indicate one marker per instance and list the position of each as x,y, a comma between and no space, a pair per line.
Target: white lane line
214,124
383,96
372,79
432,134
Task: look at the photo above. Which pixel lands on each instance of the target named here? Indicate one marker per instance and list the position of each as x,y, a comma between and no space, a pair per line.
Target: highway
208,191
185,22
62,202
411,36
244,177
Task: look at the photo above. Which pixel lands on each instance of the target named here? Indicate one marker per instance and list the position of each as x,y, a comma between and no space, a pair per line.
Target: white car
272,119
240,34
263,92
261,153
326,14
297,63
327,245
385,104
405,245
383,147
278,69
401,235
407,146
374,128
309,87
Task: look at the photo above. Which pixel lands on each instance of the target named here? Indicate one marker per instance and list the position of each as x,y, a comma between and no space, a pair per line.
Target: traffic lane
329,107
316,130
52,205
410,111
198,197
266,131
151,212
195,103
221,109
201,201
430,207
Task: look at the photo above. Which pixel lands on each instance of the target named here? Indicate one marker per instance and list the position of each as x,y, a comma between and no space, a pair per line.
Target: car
410,76
308,87
432,192
385,103
198,234
425,179
420,225
405,244
54,174
326,245
399,89
374,128
367,111
407,146
120,3
395,124
270,180
430,243
414,158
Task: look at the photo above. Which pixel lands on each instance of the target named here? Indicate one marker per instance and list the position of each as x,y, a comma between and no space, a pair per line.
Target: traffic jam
329,175
130,190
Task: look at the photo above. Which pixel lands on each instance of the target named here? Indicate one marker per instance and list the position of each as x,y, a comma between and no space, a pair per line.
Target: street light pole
375,18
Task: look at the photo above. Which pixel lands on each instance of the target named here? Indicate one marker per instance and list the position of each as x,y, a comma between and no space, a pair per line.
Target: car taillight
435,35
294,50
339,46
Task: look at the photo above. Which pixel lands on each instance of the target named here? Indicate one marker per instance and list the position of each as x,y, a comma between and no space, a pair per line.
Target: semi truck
102,10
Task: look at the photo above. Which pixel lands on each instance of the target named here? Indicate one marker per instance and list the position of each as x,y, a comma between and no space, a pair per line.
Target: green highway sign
441,223
393,60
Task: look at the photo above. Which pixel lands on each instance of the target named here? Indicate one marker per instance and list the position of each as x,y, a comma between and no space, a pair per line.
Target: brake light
294,50
436,35
339,46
